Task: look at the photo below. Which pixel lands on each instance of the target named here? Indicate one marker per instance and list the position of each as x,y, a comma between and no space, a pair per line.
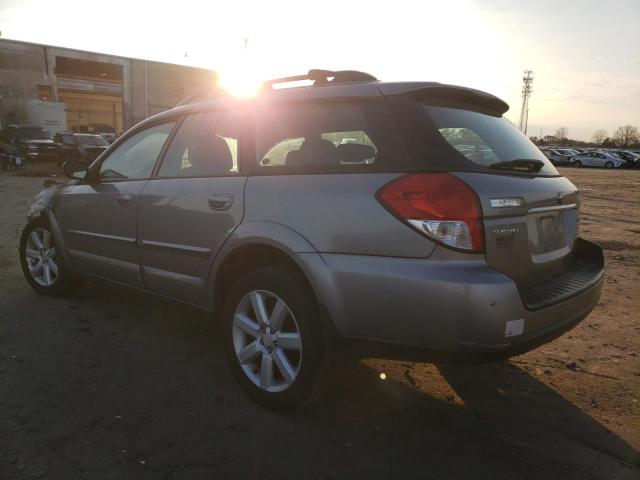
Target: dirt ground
114,384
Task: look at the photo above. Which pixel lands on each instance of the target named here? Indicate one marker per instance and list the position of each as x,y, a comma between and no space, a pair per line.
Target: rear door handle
220,202
124,200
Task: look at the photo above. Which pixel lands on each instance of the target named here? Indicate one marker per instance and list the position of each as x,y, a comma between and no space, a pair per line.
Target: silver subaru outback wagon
404,220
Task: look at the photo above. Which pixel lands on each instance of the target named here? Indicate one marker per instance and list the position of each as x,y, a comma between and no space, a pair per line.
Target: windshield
92,141
489,142
34,133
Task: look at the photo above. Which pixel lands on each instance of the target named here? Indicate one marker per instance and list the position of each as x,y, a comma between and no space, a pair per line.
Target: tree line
626,136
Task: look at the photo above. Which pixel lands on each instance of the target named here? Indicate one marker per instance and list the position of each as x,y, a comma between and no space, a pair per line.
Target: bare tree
625,136
562,133
599,136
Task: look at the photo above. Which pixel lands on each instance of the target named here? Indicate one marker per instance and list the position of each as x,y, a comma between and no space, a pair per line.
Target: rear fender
264,233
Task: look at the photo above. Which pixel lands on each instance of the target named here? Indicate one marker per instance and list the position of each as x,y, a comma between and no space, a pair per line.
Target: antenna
527,90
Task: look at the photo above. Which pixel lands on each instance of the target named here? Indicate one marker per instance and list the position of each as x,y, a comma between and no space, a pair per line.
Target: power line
527,90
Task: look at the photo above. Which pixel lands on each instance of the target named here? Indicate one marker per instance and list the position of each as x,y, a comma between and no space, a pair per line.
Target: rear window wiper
529,165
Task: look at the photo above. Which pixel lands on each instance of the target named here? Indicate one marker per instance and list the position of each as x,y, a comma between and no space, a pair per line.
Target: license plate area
547,236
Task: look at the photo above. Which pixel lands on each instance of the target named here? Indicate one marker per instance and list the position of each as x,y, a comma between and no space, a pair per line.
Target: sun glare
240,83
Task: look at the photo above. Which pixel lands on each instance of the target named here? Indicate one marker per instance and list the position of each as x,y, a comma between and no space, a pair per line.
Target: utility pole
527,90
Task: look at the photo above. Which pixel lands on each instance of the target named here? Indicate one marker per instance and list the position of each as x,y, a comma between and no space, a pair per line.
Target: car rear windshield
456,139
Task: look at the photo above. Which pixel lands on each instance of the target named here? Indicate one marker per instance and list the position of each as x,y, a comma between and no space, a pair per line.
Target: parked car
598,159
567,152
556,156
630,158
79,146
32,142
427,240
106,131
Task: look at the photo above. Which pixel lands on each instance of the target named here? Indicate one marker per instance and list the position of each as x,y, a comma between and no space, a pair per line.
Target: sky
585,54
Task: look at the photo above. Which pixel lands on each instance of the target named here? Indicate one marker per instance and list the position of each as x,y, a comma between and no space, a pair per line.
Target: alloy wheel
267,341
40,255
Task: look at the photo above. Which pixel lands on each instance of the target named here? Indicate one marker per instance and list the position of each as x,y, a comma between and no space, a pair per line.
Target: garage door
87,109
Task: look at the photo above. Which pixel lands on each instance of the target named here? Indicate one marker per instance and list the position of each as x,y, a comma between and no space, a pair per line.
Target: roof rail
324,77
197,98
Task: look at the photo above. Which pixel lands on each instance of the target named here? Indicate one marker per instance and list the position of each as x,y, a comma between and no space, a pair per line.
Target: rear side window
323,138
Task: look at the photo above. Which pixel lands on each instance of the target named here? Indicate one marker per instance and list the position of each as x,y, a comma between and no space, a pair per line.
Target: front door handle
220,202
124,200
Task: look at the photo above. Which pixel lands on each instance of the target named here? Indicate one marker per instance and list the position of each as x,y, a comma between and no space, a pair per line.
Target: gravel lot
111,383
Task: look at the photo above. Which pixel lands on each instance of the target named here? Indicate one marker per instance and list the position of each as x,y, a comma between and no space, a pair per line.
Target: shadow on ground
116,384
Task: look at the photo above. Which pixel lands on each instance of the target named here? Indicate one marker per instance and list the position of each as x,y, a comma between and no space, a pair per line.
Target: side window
136,157
68,140
317,138
205,145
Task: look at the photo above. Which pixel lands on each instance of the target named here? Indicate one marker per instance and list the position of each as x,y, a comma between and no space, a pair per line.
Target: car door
98,215
193,203
67,147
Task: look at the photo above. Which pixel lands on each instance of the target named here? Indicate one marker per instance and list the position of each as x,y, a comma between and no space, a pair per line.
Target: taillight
438,205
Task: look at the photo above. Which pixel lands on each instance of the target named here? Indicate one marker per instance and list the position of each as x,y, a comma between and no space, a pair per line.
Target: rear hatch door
531,239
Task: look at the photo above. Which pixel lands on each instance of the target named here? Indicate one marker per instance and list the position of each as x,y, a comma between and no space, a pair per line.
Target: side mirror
76,169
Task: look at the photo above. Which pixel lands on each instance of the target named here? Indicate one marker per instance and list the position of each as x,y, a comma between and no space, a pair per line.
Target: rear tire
608,165
276,356
41,260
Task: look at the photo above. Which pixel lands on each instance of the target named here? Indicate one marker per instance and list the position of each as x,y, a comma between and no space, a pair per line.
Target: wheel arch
257,244
52,221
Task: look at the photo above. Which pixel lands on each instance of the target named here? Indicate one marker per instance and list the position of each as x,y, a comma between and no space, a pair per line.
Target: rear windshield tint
448,138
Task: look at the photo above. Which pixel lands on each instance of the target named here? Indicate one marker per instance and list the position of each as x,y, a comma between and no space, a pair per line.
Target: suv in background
79,146
106,131
436,230
32,142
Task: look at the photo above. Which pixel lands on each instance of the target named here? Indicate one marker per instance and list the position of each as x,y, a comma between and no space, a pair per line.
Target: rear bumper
438,309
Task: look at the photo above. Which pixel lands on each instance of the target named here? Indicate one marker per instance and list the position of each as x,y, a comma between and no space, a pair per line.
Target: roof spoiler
453,96
449,96
324,77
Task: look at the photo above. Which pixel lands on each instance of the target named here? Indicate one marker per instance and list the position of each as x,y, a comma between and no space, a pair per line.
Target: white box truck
49,115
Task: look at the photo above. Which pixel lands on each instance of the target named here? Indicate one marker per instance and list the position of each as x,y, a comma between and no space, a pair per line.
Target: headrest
210,155
313,151
355,152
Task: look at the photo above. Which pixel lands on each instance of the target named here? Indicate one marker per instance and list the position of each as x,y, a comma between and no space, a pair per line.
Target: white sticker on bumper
514,328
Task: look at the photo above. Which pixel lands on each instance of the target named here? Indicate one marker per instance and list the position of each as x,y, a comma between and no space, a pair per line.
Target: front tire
41,259
608,165
577,164
272,337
